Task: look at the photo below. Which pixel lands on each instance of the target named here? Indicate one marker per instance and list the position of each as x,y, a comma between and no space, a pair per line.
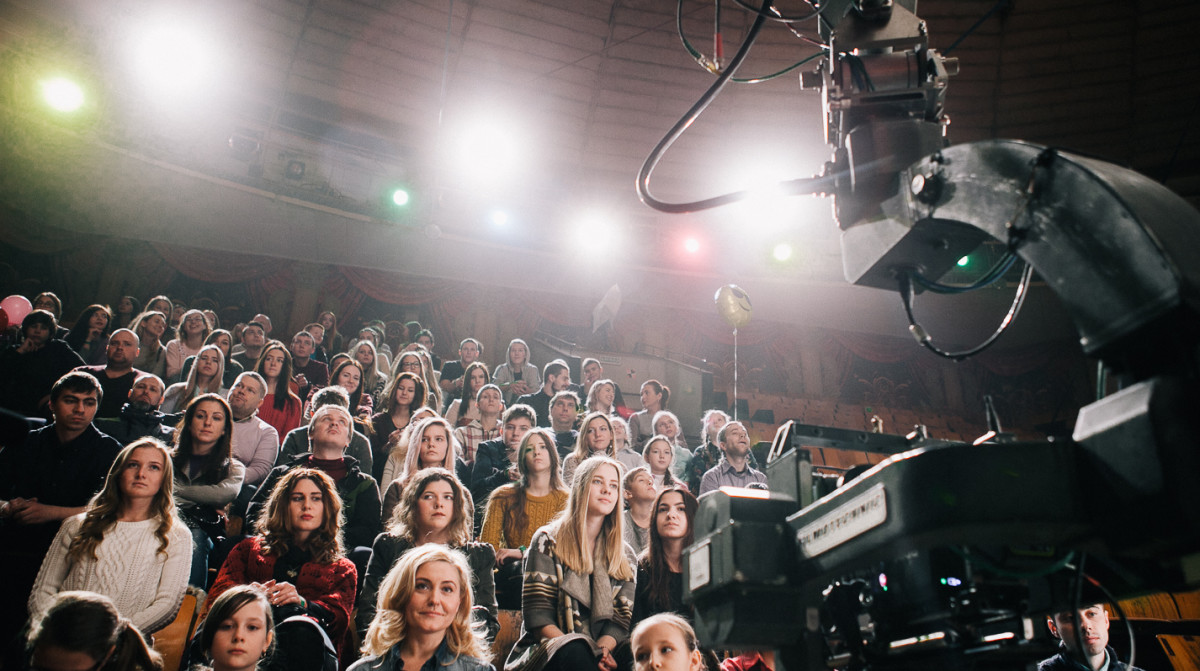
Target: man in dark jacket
1093,632
139,417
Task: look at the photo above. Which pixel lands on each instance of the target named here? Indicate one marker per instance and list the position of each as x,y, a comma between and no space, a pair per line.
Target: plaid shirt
471,435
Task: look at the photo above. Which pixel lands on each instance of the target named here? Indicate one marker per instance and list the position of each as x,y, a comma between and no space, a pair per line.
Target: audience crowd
343,499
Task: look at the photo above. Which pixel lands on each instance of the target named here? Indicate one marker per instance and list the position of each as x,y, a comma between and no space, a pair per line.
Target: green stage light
964,262
400,197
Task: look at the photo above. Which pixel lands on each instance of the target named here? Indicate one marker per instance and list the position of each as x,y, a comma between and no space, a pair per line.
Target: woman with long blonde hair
584,546
129,544
435,508
423,615
206,376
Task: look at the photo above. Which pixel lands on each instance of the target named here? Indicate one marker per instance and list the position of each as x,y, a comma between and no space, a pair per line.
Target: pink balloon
16,307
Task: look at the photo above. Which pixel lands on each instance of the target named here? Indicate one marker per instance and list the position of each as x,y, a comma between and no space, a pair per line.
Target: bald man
117,376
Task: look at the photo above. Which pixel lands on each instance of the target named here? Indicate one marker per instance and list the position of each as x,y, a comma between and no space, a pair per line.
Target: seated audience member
430,375
333,339
564,414
318,333
556,377
423,616
238,633
593,372
516,510
116,376
395,336
254,339
48,301
666,642
161,303
139,417
204,378
149,327
655,396
307,372
639,507
733,470
190,333
45,480
297,558
601,397
84,630
265,321
488,401
622,451
425,340
129,545
667,424
375,377
463,409
397,454
496,459
583,549
750,660
347,374
708,454
404,395
660,569
255,442
281,407
89,336
516,376
224,341
297,442
207,477
451,380
595,439
1097,654
435,508
432,446
29,370
659,454
128,308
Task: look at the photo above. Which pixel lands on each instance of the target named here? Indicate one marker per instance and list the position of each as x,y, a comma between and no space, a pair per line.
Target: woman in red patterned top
298,558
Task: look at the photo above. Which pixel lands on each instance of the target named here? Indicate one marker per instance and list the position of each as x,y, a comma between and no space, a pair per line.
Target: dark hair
654,557
78,334
662,389
230,602
282,391
565,393
89,623
356,395
466,398
274,525
42,317
425,332
79,382
215,467
420,398
516,518
519,410
53,299
553,368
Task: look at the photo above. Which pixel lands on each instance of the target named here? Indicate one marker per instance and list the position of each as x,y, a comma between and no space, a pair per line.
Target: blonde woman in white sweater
129,545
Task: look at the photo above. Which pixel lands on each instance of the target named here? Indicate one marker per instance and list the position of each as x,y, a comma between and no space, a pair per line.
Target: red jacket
329,585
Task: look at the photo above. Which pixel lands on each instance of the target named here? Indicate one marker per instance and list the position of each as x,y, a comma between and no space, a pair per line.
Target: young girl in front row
580,552
666,642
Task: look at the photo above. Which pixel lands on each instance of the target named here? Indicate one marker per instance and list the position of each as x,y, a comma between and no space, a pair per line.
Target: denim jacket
443,660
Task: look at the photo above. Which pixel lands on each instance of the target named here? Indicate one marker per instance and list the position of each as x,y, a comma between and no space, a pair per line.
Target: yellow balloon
733,305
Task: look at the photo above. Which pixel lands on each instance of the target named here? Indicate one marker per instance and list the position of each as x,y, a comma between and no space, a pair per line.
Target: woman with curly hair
207,477
206,377
403,396
516,510
423,616
582,549
595,438
84,628
89,336
281,407
129,545
297,558
190,334
435,508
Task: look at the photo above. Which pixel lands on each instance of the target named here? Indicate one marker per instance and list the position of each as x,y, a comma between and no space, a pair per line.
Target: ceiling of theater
367,95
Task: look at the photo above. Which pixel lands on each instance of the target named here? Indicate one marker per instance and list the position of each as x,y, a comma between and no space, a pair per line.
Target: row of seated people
208,475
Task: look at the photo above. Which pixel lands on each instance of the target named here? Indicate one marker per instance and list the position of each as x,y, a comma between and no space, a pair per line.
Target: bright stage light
62,94
964,261
499,219
400,197
691,245
173,58
782,252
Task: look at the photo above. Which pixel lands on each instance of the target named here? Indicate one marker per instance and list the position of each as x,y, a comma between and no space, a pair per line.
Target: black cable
797,186
714,65
987,15
926,341
776,16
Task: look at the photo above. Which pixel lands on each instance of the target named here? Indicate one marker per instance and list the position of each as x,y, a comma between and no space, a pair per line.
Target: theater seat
170,641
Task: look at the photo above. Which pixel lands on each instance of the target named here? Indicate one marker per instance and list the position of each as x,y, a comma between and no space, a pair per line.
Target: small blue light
953,582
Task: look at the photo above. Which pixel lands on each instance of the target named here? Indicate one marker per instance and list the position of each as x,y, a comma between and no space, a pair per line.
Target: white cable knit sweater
146,586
